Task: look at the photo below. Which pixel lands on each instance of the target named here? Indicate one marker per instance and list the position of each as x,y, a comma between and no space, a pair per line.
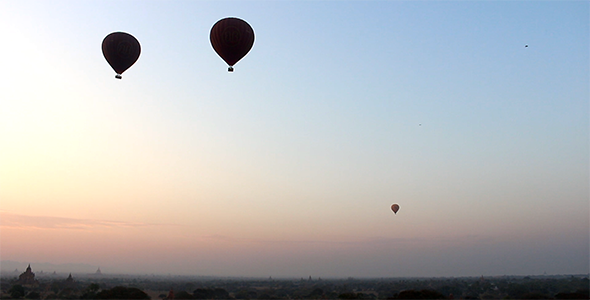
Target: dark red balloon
232,39
121,51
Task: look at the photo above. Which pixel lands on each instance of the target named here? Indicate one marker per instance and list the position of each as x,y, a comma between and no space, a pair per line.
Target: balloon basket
230,69
118,76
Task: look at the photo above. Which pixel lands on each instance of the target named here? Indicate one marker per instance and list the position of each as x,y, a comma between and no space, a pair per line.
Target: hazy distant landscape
347,149
50,285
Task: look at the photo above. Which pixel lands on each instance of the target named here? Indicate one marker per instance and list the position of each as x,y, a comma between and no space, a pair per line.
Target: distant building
27,278
98,272
70,283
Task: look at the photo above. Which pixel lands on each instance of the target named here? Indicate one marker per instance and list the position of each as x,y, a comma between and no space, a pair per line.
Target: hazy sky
289,165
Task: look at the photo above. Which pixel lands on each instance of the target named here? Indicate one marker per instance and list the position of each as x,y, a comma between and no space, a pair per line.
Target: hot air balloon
121,51
232,39
395,208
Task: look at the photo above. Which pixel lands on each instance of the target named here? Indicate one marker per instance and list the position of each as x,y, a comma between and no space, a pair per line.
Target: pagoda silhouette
27,278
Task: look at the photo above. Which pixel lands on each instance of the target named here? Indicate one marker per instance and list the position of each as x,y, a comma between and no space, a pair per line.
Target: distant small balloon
395,208
121,50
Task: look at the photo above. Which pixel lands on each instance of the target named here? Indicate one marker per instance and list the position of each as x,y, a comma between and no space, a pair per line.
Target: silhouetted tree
516,290
348,295
33,295
208,293
423,294
121,292
16,291
580,294
201,293
317,293
93,287
52,296
183,295
534,295
245,294
90,291
55,287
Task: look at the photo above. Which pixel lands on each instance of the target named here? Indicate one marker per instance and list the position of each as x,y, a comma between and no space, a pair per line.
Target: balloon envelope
232,39
395,208
121,50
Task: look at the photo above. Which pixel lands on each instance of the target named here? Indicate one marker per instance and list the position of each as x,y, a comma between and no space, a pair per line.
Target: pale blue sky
288,166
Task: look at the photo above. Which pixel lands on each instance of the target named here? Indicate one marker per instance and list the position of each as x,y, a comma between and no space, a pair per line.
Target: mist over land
97,285
472,116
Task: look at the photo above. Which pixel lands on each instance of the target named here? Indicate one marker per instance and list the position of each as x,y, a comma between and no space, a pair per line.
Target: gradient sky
288,166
